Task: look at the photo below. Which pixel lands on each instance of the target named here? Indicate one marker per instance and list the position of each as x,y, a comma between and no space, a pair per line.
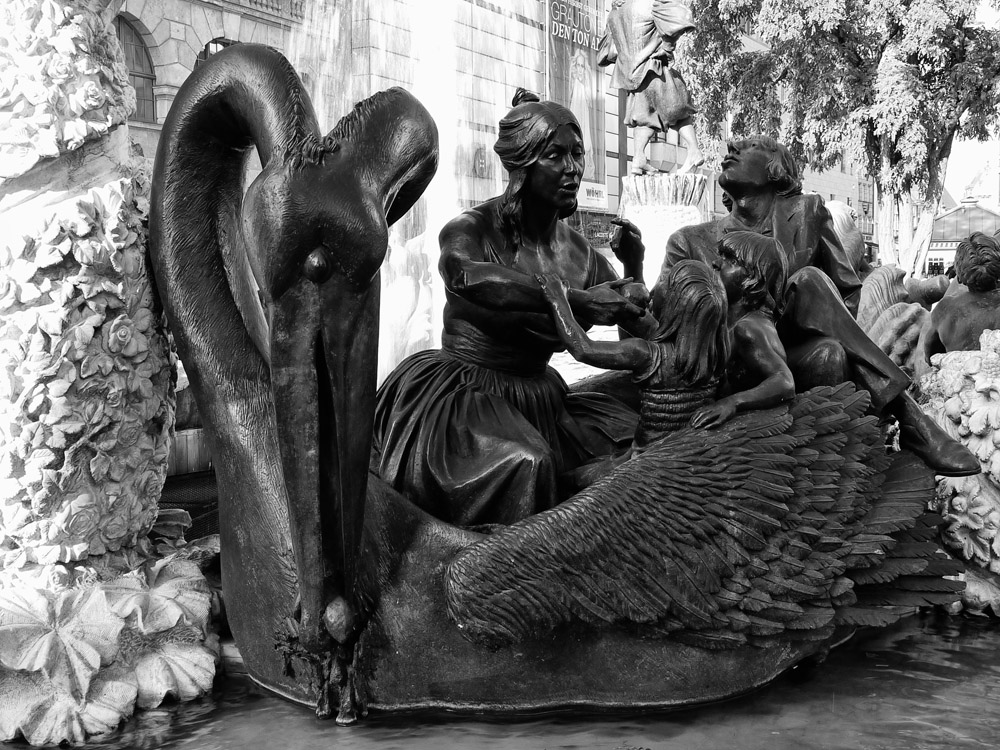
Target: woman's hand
626,243
604,305
712,416
635,292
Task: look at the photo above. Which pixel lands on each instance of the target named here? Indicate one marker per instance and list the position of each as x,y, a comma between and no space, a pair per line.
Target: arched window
140,69
216,45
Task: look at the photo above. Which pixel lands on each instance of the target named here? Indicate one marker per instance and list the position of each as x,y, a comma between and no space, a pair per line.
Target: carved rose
89,96
60,69
116,398
129,433
124,339
80,518
117,524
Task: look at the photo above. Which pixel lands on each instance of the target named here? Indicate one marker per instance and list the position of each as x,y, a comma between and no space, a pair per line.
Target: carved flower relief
35,708
60,69
971,510
67,635
80,518
122,337
83,368
70,665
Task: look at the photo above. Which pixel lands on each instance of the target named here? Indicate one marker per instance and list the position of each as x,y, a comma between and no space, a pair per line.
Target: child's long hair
766,265
690,305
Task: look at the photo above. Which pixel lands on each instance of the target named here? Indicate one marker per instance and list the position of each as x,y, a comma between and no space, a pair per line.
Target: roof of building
958,223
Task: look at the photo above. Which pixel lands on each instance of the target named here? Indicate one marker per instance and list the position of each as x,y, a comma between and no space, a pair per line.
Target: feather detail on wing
770,526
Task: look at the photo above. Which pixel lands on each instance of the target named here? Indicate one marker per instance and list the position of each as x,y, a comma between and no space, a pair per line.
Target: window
216,45
140,69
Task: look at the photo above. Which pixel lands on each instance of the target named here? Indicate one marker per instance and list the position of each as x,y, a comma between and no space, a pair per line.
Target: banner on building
573,31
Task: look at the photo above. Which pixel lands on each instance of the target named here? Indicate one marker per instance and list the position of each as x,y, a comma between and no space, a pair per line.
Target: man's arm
834,259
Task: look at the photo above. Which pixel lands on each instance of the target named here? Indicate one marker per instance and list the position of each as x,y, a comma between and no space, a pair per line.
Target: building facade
464,59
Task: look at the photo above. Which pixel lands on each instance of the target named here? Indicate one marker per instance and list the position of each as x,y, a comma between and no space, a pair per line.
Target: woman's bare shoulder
473,225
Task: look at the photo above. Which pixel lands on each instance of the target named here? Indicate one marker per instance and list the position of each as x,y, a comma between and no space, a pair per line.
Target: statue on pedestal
639,41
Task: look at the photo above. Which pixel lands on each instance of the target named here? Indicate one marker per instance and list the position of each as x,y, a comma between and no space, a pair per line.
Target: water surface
931,681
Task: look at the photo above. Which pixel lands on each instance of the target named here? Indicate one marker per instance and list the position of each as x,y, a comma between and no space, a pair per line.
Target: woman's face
555,178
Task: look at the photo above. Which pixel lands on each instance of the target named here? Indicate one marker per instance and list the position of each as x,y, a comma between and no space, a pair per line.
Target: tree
891,82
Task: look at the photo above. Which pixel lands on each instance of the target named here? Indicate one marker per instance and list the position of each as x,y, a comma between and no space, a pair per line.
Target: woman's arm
757,345
630,354
497,287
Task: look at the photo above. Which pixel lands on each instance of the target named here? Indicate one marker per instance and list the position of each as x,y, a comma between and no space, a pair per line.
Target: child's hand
553,287
712,416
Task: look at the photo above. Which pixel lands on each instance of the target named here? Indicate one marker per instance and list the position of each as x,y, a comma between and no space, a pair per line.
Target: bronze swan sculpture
699,570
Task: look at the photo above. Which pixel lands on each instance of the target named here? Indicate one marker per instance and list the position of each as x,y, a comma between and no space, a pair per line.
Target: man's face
555,178
745,166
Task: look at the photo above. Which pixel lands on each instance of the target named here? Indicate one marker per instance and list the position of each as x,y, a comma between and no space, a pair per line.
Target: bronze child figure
958,320
753,269
679,366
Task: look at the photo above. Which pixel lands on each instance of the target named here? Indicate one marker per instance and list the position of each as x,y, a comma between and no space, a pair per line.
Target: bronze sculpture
697,570
481,431
959,319
260,366
678,365
639,41
823,342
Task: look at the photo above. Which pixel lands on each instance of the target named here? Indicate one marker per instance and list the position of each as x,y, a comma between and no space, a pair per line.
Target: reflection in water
929,682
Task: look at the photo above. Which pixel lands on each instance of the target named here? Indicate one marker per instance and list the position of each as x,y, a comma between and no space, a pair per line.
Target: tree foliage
889,82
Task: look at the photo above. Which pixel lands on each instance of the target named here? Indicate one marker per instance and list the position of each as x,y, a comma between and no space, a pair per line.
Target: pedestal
660,204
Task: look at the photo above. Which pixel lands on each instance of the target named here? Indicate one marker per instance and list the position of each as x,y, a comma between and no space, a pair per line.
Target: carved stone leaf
176,593
67,636
184,670
31,705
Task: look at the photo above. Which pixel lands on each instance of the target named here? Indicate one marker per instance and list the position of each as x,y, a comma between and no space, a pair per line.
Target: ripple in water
929,682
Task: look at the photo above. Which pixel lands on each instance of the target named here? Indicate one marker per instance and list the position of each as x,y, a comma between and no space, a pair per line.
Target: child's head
977,262
764,265
690,305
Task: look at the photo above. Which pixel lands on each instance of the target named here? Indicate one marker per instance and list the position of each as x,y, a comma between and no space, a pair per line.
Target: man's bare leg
685,129
640,162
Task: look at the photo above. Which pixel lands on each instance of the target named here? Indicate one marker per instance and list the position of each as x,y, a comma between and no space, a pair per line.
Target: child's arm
756,344
630,354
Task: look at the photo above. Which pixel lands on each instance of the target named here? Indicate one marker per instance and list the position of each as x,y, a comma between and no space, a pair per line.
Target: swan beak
323,363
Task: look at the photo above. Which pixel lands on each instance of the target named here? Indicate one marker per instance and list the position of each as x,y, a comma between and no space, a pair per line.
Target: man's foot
694,160
643,167
921,435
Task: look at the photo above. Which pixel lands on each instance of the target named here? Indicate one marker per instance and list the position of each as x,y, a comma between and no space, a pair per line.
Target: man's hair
782,169
977,262
766,266
690,307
